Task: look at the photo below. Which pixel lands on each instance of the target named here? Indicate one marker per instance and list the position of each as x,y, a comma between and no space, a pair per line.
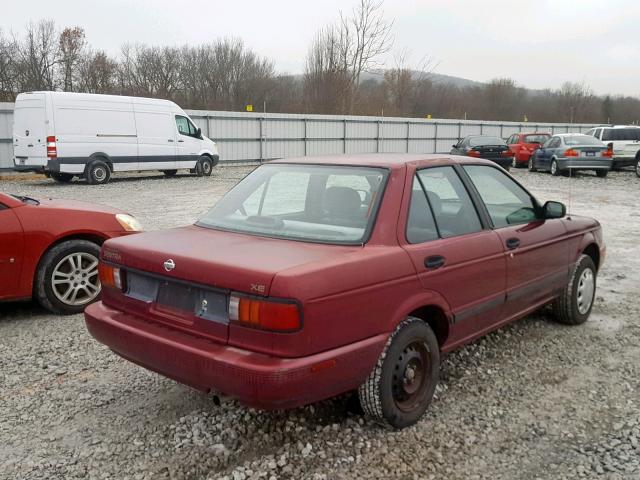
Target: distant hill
436,78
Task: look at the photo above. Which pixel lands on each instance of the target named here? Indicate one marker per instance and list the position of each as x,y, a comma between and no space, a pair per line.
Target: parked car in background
67,135
624,140
49,249
322,275
485,146
566,152
522,146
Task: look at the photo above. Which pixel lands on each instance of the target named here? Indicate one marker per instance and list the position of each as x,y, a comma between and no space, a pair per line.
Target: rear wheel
602,173
531,165
638,165
401,386
97,173
61,177
67,277
555,171
169,173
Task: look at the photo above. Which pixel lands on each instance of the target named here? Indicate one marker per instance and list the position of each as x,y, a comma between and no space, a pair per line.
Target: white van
65,135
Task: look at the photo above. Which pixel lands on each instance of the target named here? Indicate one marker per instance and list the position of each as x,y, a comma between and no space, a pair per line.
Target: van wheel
61,177
204,166
67,277
97,173
638,165
400,387
169,173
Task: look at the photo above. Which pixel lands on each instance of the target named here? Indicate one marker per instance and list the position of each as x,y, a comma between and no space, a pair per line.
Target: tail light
265,314
571,153
608,153
473,153
507,153
110,276
52,151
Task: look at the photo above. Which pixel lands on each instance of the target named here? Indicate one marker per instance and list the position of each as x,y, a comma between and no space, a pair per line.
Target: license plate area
589,154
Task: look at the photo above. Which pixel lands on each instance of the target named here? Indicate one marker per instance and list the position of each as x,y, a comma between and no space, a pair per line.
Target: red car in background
523,144
317,276
49,249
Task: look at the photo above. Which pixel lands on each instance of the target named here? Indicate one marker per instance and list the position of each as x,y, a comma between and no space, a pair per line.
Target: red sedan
318,276
49,250
523,145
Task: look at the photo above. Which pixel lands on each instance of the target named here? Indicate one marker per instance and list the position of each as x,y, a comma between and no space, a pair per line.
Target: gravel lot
532,400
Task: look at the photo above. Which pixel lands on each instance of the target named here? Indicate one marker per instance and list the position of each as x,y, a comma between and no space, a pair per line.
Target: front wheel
574,305
401,386
67,277
602,173
204,167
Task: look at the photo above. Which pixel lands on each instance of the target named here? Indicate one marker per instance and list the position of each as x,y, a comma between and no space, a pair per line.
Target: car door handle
180,141
513,243
433,262
170,140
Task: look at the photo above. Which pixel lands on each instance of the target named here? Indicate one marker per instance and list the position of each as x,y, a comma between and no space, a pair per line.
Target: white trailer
67,135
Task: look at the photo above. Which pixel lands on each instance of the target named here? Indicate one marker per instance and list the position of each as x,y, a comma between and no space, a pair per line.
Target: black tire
169,173
204,167
638,166
410,355
514,163
97,173
554,169
48,294
61,177
574,305
531,165
602,173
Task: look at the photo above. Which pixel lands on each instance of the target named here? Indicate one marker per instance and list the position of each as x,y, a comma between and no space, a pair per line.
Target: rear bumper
504,162
255,379
581,163
28,168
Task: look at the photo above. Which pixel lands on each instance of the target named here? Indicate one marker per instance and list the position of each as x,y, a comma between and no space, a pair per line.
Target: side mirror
554,210
455,145
199,132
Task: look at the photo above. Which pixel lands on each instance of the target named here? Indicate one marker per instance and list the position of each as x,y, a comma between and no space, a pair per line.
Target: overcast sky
539,44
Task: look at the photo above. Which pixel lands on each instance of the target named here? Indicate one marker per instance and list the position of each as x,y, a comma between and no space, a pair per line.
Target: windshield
616,134
582,140
325,204
536,138
480,141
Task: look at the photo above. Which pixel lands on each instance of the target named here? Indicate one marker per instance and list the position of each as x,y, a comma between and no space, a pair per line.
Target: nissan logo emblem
169,265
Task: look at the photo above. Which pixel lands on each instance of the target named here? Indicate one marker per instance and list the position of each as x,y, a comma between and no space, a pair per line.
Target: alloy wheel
75,280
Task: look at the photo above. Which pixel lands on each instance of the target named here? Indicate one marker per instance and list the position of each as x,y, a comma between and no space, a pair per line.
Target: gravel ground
532,400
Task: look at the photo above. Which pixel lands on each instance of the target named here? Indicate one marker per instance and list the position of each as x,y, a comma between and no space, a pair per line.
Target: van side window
185,127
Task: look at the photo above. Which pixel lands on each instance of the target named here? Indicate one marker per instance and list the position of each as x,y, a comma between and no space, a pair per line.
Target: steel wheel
75,279
206,168
586,289
409,378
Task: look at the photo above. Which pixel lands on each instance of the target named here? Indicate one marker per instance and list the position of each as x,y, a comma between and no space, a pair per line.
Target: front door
536,250
453,254
11,250
189,143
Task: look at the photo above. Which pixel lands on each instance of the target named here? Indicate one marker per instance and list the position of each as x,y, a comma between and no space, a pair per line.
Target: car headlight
129,223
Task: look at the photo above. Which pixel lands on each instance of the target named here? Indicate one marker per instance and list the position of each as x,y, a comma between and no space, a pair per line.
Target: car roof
618,126
570,134
384,160
534,133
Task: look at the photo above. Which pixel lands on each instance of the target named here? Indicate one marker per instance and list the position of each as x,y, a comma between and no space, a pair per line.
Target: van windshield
315,203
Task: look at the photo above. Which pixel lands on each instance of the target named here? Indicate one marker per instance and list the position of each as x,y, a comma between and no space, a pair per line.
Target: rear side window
506,201
621,134
421,226
450,202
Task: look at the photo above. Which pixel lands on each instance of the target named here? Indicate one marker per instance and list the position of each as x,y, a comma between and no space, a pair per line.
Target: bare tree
96,73
72,42
38,57
8,56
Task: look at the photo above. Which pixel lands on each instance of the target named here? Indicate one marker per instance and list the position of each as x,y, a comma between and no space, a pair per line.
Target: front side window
185,127
553,143
506,201
451,205
325,204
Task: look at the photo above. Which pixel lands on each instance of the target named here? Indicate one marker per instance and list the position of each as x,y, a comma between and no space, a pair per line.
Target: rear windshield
582,140
316,203
480,141
613,134
536,138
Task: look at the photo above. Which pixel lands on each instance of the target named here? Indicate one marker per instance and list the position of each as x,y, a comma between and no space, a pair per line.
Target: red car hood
77,206
226,260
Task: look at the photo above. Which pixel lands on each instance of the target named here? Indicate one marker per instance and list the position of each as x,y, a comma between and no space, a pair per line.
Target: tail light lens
507,153
571,153
52,151
110,276
608,153
265,314
473,153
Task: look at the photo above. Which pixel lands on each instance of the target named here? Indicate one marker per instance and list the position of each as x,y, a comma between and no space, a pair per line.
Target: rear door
156,138
11,251
453,254
29,130
536,250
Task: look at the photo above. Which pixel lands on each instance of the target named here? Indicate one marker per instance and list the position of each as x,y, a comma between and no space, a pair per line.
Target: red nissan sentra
318,276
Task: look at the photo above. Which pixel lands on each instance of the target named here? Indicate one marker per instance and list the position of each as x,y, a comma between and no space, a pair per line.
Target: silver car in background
566,152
